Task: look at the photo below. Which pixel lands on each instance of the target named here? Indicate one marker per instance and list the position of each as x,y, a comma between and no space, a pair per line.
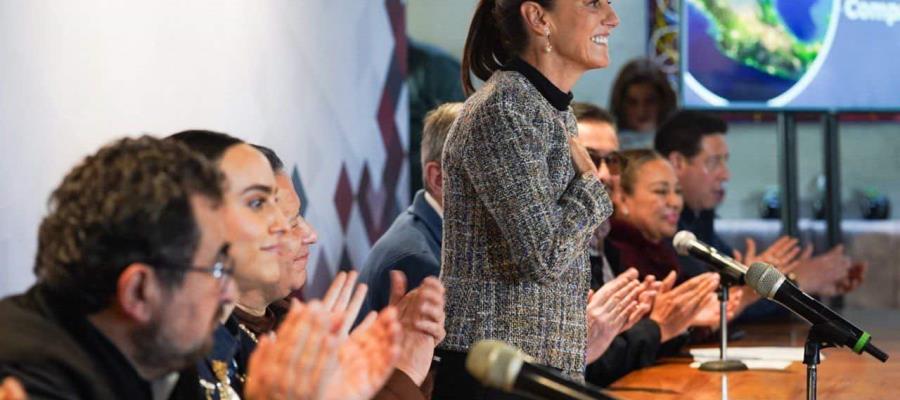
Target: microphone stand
821,336
723,364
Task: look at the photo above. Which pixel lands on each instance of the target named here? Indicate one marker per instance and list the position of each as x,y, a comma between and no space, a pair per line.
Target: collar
429,216
162,388
434,204
557,98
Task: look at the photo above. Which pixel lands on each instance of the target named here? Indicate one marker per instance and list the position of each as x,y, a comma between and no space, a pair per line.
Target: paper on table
754,357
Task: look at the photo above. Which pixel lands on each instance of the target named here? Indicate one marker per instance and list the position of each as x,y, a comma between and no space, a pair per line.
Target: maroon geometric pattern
378,207
322,277
376,195
343,198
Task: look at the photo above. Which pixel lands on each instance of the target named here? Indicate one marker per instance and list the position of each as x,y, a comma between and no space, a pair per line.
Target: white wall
303,77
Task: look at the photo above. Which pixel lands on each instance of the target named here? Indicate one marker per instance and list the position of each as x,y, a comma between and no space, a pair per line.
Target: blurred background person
641,99
434,79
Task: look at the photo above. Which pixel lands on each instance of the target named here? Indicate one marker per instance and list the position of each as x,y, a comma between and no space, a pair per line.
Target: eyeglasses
615,161
220,271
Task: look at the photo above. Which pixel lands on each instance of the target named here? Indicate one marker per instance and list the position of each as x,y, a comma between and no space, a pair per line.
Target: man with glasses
596,129
694,142
131,279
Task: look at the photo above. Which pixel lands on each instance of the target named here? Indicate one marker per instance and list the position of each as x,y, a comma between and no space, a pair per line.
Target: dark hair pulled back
496,34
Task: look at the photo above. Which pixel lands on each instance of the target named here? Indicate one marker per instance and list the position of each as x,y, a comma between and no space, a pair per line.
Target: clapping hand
675,308
342,299
422,319
609,309
11,389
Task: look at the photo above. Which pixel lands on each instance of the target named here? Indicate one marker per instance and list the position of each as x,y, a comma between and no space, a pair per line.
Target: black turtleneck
557,98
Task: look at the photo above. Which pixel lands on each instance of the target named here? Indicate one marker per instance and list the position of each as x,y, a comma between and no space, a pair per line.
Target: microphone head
764,278
495,364
682,242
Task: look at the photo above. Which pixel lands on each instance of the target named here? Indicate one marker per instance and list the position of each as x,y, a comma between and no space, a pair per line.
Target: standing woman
522,196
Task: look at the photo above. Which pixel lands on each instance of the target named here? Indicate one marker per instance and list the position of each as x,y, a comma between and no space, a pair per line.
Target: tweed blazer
517,221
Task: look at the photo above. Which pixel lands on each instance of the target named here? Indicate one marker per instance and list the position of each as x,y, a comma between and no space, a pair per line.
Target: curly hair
129,202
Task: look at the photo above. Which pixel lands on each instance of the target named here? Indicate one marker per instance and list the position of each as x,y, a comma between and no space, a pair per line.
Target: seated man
131,279
413,242
695,144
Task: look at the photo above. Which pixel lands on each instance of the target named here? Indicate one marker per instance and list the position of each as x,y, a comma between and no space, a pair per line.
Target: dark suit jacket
412,244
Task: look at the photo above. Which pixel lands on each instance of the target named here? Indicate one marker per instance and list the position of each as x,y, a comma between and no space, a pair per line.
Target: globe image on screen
754,50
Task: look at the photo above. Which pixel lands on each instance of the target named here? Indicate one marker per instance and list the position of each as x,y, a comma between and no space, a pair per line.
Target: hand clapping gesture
11,389
616,306
421,313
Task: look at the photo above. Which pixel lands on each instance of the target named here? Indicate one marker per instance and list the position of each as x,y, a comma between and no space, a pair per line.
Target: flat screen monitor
831,55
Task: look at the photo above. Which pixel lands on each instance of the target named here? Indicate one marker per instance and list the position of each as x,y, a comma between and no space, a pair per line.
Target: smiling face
299,238
580,31
254,224
655,202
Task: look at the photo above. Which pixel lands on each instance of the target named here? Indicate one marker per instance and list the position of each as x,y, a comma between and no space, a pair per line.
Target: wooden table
842,375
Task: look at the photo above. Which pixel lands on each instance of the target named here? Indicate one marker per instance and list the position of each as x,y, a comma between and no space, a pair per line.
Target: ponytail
496,35
483,45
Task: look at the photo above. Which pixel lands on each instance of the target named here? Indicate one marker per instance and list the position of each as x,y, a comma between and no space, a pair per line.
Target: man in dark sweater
131,279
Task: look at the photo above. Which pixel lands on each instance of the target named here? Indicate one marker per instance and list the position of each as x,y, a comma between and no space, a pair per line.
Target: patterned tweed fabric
517,221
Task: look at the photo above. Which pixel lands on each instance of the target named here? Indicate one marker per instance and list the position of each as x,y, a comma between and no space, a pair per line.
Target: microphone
772,284
501,366
687,244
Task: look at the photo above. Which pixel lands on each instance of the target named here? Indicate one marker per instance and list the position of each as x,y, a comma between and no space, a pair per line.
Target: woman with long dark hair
521,194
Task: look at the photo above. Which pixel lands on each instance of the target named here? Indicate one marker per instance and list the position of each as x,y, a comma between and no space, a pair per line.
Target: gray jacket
517,221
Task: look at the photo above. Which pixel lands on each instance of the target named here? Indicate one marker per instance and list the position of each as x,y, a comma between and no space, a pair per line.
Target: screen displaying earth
754,50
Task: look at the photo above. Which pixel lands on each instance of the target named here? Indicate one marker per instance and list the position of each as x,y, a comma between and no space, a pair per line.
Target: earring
549,47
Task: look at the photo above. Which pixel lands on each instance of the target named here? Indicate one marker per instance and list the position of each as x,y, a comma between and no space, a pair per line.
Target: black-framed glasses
615,161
